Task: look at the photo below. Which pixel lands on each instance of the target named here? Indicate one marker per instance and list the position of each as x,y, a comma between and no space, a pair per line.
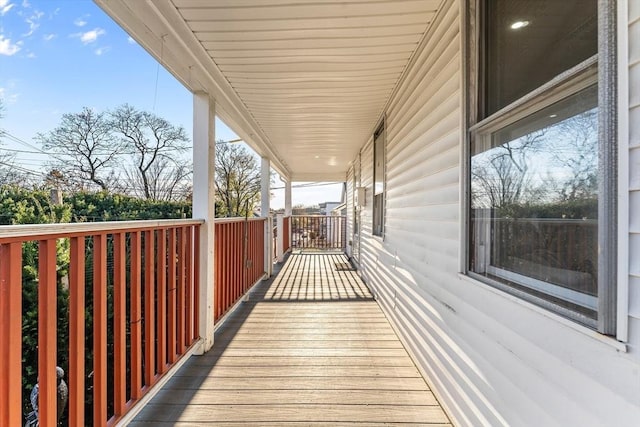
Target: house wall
491,358
634,172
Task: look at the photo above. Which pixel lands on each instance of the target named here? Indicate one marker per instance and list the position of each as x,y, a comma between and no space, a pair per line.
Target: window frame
601,69
380,211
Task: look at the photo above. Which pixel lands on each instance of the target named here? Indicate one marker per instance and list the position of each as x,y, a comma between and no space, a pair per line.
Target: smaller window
379,181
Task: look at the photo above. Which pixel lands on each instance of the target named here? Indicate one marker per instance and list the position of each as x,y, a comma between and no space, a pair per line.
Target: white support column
287,198
280,238
288,210
204,208
265,187
265,211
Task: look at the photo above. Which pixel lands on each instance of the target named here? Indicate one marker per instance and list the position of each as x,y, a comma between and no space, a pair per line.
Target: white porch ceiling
304,82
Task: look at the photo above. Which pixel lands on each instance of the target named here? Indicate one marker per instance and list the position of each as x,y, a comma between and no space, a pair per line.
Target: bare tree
10,174
84,147
6,160
166,181
159,171
1,116
501,177
237,180
577,152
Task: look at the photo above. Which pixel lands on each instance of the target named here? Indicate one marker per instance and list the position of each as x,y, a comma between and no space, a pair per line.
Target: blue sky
58,56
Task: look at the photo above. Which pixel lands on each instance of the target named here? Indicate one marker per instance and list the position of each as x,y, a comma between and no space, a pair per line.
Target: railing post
287,198
204,207
265,208
11,336
268,246
280,241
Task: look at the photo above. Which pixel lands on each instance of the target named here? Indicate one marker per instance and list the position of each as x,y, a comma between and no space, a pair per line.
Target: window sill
603,339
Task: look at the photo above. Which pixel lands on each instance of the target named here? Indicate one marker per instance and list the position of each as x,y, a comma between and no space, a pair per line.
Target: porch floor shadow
310,347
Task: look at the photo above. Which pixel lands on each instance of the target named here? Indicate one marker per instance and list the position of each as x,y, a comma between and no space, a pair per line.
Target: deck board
311,347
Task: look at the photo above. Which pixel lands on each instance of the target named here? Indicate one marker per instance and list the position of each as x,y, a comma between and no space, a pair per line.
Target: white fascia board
158,27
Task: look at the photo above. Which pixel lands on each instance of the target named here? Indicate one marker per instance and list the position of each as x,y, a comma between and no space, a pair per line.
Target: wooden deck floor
311,347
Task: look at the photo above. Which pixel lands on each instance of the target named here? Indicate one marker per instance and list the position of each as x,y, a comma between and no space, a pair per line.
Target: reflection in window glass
378,185
534,204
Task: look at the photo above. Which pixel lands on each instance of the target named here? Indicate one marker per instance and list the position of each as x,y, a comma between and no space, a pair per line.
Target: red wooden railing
137,279
239,260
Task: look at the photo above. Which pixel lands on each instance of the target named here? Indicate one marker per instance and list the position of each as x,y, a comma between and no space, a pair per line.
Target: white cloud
31,55
8,98
89,36
102,50
25,3
7,48
49,37
130,40
33,22
80,22
5,7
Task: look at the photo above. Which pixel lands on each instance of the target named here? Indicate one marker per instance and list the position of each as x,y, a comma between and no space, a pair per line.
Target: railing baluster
76,332
216,270
99,329
196,282
239,284
171,301
181,296
11,336
135,316
149,308
161,317
188,333
119,324
47,332
232,273
247,254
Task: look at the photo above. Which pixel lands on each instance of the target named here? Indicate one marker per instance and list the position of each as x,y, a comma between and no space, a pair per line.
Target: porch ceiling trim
166,37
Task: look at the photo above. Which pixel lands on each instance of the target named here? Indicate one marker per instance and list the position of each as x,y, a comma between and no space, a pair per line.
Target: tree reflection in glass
534,203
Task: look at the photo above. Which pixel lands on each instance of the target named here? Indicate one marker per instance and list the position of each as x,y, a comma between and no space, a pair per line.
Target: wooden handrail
25,232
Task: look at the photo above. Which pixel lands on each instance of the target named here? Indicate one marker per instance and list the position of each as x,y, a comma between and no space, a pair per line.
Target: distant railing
533,246
281,237
131,291
239,259
286,234
318,232
274,240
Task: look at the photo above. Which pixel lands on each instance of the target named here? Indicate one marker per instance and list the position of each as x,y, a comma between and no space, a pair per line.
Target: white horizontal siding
491,358
634,175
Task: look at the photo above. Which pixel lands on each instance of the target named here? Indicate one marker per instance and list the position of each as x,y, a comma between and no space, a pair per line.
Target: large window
378,181
535,152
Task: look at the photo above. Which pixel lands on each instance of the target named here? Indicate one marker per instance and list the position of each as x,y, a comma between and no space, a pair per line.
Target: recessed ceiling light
317,157
553,116
519,24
